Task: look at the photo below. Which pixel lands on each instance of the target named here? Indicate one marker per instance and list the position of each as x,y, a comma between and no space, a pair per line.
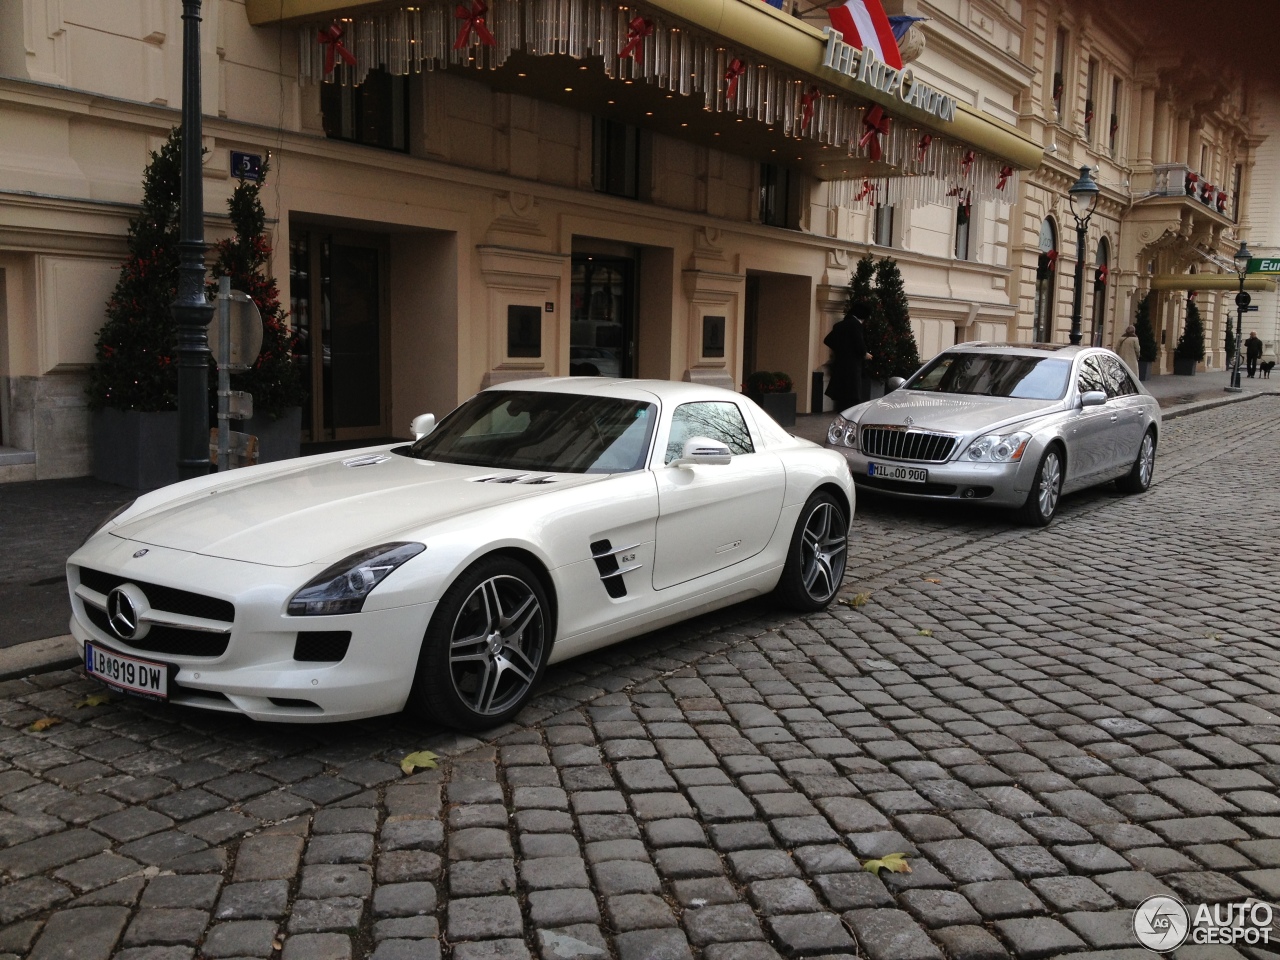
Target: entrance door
602,321
338,283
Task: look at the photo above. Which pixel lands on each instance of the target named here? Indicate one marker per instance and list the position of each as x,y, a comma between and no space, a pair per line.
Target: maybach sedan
535,522
1008,425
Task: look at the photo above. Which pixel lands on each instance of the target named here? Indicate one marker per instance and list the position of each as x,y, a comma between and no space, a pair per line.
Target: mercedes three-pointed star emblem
122,614
910,421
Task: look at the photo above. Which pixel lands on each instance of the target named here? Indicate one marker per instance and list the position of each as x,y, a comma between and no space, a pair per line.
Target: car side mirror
701,450
1093,398
893,383
422,425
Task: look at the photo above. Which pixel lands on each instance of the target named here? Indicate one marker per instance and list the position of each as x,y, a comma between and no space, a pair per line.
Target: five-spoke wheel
819,549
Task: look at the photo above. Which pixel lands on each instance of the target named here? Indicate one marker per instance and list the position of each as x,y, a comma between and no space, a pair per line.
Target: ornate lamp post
1084,199
1241,259
191,311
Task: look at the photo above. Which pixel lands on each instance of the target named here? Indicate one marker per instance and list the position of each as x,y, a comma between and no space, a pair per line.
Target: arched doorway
1101,278
1046,268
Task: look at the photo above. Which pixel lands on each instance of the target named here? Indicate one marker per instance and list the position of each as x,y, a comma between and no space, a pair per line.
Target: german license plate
892,471
146,678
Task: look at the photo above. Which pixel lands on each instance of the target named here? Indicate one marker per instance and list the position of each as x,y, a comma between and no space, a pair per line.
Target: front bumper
994,484
257,675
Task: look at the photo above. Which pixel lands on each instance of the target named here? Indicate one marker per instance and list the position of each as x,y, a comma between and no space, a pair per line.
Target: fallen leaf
932,580
94,700
923,632
44,723
423,759
277,944
857,600
1214,636
893,862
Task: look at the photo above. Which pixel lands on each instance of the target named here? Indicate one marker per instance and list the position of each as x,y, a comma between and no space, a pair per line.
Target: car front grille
898,443
161,638
168,599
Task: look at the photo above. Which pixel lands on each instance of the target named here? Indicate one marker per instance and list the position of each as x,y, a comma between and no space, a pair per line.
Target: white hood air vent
368,460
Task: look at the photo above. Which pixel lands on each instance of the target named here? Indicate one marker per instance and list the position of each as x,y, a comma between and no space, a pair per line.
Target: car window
716,420
994,375
1090,376
1119,383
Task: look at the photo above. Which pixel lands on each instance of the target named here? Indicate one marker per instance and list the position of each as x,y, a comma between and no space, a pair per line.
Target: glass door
601,322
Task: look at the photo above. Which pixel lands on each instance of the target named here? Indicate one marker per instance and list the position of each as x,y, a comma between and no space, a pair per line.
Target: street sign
1264,265
245,324
246,166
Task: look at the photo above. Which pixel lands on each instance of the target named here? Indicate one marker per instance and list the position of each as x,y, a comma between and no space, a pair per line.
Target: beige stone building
446,217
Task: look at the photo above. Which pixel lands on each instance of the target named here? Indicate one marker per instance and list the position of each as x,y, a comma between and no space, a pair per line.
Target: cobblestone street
1051,724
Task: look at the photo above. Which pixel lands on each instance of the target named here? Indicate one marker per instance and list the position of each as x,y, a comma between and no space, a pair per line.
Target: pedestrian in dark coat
848,354
1252,352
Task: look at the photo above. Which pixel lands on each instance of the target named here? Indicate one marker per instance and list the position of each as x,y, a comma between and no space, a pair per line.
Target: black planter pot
780,406
133,449
277,439
1144,369
1184,367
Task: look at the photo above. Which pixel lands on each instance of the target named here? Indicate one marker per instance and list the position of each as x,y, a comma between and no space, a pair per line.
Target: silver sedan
1005,424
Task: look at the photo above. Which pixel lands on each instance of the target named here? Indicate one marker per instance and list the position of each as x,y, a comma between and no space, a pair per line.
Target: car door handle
1115,417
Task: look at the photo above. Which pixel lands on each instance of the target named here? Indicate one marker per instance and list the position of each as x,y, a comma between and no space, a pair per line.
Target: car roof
1066,350
669,391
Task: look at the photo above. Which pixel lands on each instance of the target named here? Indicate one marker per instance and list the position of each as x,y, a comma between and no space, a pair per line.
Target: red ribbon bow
807,101
1102,274
637,30
966,162
1051,258
1222,202
868,188
1005,173
923,147
331,38
736,69
473,22
877,123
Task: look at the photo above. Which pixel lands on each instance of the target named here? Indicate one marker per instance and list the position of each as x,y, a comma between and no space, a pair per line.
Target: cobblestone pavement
1051,724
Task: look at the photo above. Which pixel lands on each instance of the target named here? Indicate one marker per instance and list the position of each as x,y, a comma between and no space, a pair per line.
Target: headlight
843,432
106,520
998,448
343,587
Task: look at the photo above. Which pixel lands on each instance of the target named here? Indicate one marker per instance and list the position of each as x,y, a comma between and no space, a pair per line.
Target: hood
951,413
325,510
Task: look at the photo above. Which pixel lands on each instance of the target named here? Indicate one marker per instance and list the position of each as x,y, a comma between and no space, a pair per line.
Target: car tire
1138,479
817,557
486,647
1046,490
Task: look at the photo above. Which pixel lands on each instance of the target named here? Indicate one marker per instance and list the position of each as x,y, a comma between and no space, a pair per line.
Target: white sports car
539,520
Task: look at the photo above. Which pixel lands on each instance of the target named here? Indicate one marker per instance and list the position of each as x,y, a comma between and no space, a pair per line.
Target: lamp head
1242,258
1084,195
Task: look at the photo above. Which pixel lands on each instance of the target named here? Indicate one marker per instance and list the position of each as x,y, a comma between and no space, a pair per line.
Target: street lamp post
1242,302
1084,199
191,311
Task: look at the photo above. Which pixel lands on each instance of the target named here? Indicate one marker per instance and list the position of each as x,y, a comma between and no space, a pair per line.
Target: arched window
1101,281
1046,269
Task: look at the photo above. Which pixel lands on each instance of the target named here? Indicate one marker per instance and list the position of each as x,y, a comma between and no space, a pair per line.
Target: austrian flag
864,24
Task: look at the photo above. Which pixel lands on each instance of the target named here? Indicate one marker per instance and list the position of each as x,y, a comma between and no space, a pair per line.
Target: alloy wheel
824,543
1147,460
496,645
1050,484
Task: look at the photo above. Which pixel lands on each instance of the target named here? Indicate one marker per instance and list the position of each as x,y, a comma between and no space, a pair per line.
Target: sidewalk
44,521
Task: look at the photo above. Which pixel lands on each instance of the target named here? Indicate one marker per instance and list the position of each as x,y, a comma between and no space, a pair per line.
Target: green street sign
1264,265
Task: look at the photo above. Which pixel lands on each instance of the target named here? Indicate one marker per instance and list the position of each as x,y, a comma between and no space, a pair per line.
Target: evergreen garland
274,379
136,350
1191,343
1147,348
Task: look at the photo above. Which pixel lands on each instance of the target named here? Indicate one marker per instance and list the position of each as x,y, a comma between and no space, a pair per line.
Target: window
375,114
883,225
1119,383
524,331
1237,182
1091,377
615,158
720,420
994,375
1113,130
963,216
1059,67
1091,83
779,196
1046,263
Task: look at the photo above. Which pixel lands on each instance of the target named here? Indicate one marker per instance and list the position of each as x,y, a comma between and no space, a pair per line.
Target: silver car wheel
1050,484
496,645
1147,460
824,544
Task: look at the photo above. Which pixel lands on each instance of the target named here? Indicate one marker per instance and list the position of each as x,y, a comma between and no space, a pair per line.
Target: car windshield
994,375
553,432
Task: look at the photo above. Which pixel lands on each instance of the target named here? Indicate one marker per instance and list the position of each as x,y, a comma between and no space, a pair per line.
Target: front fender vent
611,571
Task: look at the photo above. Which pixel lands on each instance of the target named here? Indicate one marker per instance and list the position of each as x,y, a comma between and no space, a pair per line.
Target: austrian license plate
892,471
146,678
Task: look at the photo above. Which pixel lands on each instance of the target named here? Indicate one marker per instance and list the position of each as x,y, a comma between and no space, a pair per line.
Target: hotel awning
1223,282
734,74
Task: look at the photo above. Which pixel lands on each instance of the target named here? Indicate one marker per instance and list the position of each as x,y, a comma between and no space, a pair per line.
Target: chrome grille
899,443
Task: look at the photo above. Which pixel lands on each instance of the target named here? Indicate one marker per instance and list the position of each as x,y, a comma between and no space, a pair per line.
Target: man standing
848,354
1252,352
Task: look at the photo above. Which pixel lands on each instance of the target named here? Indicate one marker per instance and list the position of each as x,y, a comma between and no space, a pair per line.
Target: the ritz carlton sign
864,67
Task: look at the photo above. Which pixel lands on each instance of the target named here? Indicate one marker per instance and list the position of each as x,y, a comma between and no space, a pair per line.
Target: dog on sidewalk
1265,367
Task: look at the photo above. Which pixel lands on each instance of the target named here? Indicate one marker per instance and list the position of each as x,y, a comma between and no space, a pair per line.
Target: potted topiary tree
274,380
1148,350
1190,348
774,394
133,385
887,330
